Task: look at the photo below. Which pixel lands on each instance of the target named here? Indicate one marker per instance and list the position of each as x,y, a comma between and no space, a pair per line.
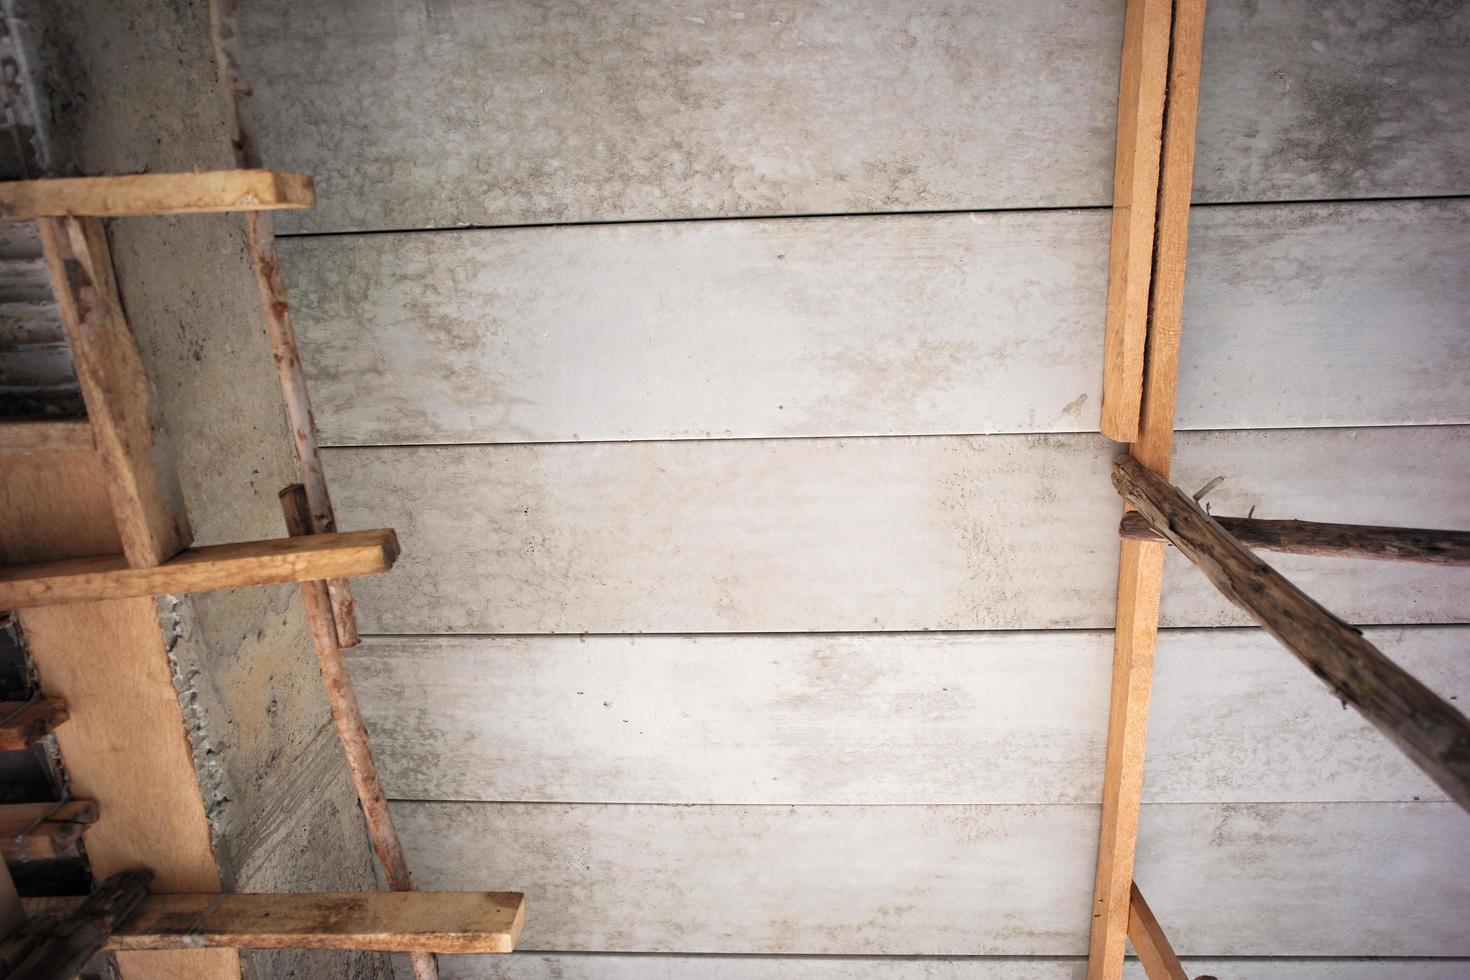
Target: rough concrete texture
132,87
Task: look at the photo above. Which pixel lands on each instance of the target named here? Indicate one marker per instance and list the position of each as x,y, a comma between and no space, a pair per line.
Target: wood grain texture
24,723
141,481
1145,69
222,566
1150,942
924,718
1012,880
498,114
797,536
31,436
144,194
459,922
965,324
594,966
1149,427
1421,723
1411,544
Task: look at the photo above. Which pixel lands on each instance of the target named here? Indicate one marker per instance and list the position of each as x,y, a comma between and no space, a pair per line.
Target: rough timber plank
1012,532
1146,31
1149,941
966,324
144,194
1145,418
24,723
508,114
457,922
140,476
26,436
987,880
223,566
614,966
918,718
125,745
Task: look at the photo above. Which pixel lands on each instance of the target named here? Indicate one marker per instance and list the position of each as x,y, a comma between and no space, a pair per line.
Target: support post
1422,724
350,726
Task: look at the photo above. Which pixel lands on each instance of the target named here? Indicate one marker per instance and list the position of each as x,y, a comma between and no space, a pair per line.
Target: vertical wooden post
1141,563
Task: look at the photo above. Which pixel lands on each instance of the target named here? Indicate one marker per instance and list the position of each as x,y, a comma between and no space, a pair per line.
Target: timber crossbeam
224,566
1406,544
130,195
1423,725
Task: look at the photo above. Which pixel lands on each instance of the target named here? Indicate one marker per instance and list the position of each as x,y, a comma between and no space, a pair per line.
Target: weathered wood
345,711
1135,196
224,34
1423,725
1154,386
1408,544
144,194
39,831
870,718
23,723
69,943
1150,942
969,880
864,534
222,566
388,922
433,922
145,496
27,436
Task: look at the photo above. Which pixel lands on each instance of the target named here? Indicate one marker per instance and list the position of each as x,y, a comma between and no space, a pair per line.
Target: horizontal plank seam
408,801
819,215
347,447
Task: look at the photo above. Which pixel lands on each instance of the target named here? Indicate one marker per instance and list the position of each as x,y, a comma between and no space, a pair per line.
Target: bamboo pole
350,727
1407,544
1422,724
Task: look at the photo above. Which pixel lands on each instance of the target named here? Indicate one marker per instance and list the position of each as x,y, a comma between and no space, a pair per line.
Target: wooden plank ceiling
846,469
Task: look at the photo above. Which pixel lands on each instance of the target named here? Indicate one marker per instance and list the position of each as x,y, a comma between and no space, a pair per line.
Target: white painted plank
444,114
1373,879
917,718
963,324
992,532
956,880
414,116
690,330
672,966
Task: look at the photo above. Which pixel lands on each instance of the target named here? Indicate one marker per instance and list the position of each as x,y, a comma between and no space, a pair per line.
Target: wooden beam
1149,941
1407,544
23,723
144,194
1136,165
260,238
145,496
68,944
1141,564
383,922
46,436
1422,724
39,831
222,566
